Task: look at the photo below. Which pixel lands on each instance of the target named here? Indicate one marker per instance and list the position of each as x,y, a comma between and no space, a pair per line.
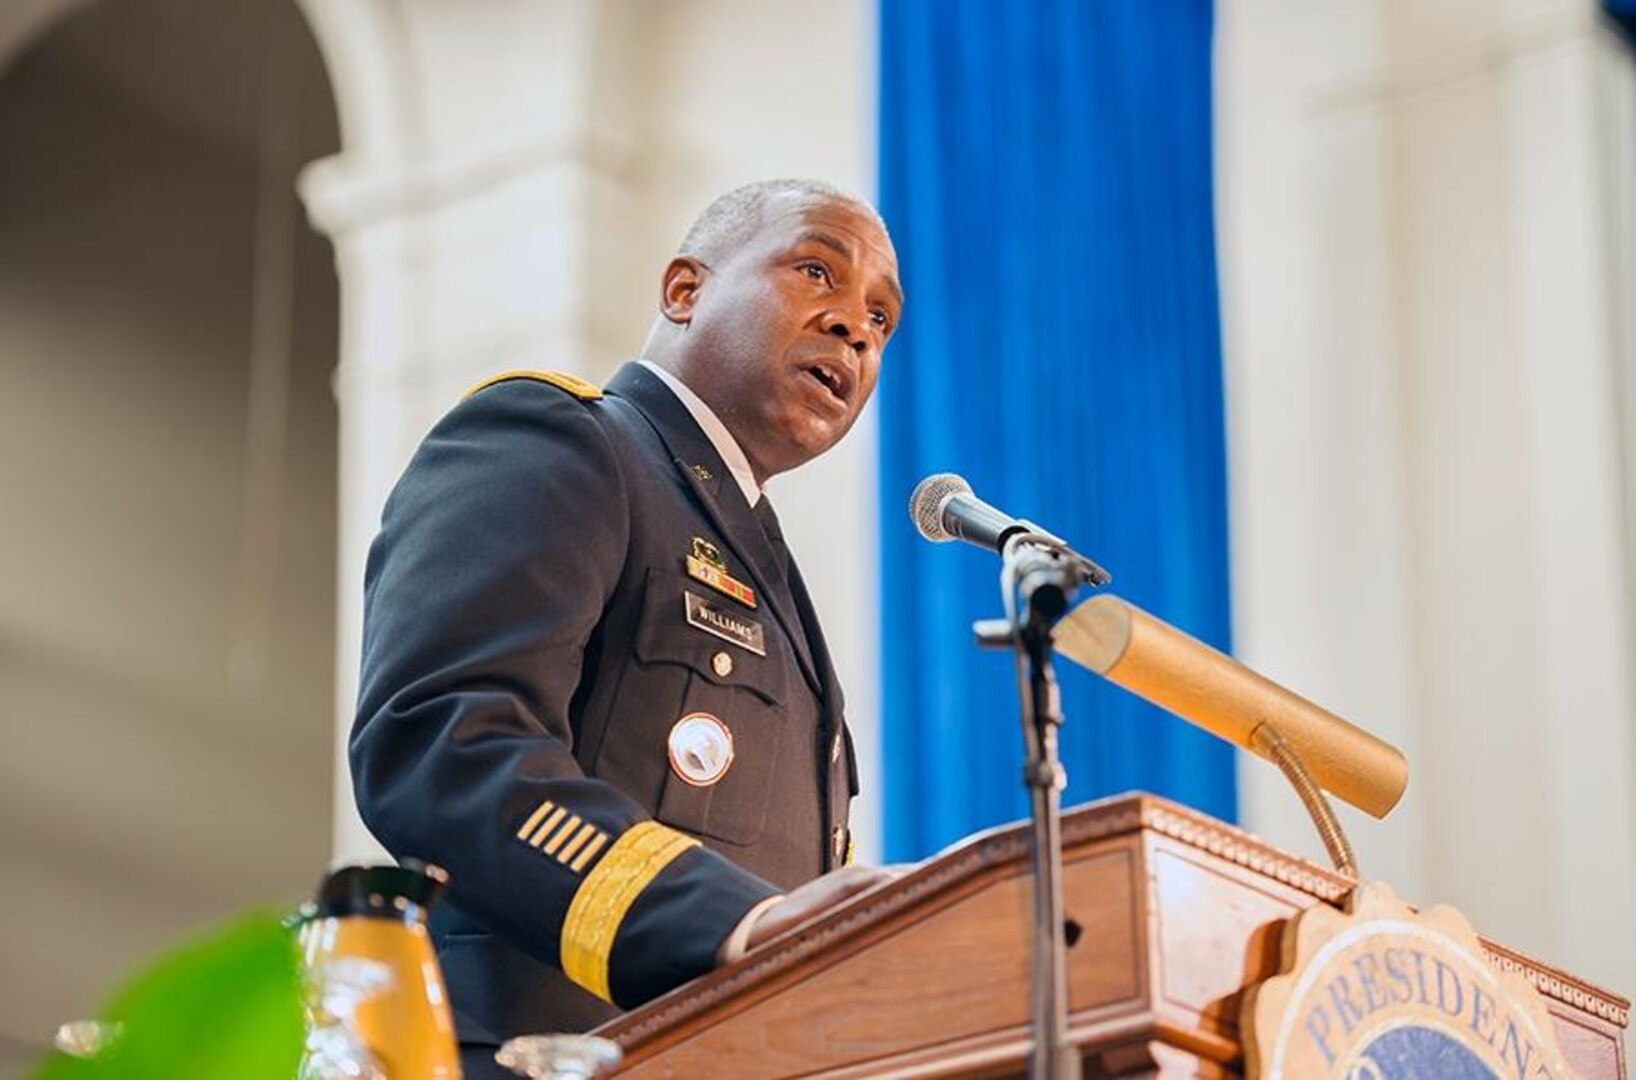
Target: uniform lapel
721,499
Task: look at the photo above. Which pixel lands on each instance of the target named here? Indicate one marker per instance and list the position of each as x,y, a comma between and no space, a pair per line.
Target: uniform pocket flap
685,623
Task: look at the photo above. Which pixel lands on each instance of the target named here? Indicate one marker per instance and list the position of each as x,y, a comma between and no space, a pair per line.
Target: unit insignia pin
701,472
701,749
721,664
706,565
706,552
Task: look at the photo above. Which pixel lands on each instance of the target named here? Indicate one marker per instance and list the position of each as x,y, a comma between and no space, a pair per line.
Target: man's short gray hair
734,217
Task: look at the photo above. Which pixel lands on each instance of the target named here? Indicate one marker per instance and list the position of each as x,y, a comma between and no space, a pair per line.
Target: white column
1317,517
1423,220
482,197
1570,347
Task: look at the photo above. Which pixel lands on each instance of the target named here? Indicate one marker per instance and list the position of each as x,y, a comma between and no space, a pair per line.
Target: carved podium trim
1144,1019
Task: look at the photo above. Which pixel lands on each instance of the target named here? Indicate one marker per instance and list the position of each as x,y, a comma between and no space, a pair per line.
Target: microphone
944,508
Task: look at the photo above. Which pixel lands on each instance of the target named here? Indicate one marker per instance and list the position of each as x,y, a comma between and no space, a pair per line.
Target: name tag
745,633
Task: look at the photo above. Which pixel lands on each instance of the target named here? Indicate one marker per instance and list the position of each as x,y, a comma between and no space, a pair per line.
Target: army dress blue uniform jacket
531,637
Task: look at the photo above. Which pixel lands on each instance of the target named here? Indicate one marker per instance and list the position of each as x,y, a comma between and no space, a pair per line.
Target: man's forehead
789,216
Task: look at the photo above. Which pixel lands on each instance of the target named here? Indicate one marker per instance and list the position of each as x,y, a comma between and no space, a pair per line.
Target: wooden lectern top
1176,913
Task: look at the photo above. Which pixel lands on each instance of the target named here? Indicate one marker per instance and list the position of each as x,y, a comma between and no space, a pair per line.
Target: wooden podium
929,976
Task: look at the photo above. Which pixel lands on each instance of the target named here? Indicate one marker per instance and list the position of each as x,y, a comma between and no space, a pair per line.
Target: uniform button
721,664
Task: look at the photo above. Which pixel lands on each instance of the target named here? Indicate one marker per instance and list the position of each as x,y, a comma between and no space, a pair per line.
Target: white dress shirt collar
716,431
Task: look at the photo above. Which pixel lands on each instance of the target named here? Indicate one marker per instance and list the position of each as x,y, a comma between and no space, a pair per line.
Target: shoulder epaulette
585,391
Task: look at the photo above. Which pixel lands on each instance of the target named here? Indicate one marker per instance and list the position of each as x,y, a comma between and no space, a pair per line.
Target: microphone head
927,502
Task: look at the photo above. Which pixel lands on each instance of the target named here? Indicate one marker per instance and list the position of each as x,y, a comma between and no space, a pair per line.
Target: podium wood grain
929,975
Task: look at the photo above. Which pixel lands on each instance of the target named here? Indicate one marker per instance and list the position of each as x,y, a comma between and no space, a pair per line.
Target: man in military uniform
594,687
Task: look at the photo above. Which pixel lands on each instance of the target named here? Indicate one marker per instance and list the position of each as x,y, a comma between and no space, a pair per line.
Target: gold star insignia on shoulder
702,473
573,384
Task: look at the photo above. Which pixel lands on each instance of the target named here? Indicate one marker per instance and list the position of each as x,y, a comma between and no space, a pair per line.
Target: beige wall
164,674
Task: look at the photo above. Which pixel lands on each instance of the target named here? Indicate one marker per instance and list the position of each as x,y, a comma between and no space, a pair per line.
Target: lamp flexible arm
1269,744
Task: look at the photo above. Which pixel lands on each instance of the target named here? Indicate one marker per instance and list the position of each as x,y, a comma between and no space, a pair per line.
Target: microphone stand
1039,572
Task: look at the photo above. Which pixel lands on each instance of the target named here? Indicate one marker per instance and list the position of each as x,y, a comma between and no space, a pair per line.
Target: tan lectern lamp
1316,749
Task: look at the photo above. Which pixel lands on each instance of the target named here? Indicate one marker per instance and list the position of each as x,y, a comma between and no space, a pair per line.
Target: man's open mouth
832,379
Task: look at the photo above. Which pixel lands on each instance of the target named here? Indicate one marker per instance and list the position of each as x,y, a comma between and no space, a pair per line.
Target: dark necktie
775,535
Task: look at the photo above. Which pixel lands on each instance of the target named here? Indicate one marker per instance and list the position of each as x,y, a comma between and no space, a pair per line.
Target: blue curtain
1623,13
1046,174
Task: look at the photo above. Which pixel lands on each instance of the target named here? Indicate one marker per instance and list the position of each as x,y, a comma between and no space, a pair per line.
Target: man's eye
881,319
815,271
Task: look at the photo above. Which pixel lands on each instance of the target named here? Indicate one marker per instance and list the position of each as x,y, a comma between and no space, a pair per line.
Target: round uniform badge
701,749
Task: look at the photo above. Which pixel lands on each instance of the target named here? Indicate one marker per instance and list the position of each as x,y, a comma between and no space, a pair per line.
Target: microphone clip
1046,580
1047,573
1043,573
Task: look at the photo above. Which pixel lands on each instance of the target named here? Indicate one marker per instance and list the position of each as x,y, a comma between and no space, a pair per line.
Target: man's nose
834,322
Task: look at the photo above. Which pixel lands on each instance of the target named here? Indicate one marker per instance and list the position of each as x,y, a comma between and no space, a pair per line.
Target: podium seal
1384,993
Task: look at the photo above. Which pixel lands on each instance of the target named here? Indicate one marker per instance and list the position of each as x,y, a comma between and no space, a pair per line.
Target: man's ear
679,289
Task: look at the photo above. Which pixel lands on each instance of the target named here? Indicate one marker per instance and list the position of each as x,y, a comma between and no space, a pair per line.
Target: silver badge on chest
701,749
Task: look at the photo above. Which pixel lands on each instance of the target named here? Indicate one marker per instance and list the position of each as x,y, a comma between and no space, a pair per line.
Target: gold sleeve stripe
574,821
586,831
588,852
550,823
605,897
585,391
534,819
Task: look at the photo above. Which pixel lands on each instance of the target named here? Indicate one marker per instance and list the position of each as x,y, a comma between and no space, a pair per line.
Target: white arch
361,47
